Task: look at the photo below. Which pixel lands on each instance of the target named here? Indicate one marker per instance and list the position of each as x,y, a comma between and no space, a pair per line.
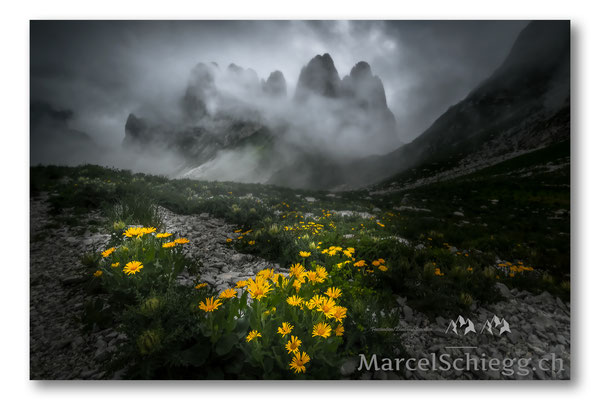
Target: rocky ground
539,325
58,350
539,329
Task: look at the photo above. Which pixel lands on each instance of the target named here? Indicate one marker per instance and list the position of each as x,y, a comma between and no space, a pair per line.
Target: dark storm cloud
103,70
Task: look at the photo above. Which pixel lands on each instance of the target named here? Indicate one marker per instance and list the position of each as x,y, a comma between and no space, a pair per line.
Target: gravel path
57,348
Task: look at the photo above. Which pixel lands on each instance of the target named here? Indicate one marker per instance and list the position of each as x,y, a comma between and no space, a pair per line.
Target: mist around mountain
336,133
330,131
232,125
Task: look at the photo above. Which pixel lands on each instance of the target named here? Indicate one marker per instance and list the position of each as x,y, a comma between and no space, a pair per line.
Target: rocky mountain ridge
232,110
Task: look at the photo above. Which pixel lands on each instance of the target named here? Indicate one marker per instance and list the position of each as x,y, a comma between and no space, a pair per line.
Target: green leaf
195,355
226,343
268,365
242,326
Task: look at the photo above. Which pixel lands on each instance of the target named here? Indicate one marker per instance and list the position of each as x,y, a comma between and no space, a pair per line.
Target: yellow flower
333,292
313,277
380,224
338,313
252,243
138,231
133,231
321,273
258,288
97,274
168,245
253,335
304,254
240,237
163,235
229,240
241,284
228,293
284,281
181,241
108,252
321,329
297,270
375,263
267,273
297,284
360,263
383,268
237,231
114,265
293,344
339,331
132,267
210,305
295,301
315,301
285,328
438,272
201,285
326,305
299,361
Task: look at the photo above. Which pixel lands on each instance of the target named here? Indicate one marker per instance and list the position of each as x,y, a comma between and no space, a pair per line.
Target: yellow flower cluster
380,264
138,231
326,313
174,243
332,250
310,227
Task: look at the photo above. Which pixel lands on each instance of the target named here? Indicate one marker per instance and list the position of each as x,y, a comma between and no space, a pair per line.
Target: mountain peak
360,70
319,77
275,85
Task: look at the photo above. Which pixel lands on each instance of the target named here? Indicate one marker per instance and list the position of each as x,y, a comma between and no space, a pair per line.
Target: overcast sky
103,70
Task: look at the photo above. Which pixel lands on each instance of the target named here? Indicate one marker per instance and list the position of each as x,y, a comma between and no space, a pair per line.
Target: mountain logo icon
496,324
466,325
